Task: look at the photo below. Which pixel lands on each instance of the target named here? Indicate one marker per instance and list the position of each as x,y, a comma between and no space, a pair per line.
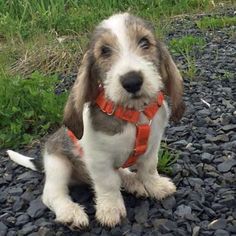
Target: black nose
132,81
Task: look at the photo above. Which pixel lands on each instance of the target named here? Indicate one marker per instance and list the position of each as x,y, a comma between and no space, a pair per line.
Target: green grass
21,22
28,108
185,46
228,75
25,18
215,23
166,158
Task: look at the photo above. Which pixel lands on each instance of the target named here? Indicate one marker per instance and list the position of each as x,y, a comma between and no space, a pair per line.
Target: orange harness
131,116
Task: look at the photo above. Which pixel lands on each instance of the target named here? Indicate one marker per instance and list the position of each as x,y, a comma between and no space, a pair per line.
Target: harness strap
75,141
141,141
109,108
131,116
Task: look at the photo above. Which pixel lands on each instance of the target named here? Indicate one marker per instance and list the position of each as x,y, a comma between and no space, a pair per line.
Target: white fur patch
21,159
56,194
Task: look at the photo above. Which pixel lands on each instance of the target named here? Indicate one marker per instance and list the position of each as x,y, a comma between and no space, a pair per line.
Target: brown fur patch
60,144
84,90
173,82
105,123
138,29
104,37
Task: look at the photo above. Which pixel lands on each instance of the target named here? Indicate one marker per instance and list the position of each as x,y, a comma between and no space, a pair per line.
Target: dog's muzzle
132,81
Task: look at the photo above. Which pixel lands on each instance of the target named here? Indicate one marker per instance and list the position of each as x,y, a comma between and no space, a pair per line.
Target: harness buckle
149,123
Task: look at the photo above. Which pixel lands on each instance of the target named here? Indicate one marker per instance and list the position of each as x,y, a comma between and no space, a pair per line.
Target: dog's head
132,65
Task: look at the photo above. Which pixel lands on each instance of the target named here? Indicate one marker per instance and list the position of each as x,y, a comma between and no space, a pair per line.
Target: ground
205,172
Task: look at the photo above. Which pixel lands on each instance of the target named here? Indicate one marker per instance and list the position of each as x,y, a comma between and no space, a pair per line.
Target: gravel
205,173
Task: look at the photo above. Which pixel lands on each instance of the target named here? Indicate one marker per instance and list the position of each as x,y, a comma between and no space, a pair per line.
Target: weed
186,44
28,108
227,75
166,158
185,47
215,23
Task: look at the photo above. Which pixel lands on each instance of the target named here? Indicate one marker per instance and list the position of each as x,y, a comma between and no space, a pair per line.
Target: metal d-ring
112,112
150,122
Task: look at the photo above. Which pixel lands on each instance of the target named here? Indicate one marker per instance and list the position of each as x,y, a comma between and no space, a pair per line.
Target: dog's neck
127,114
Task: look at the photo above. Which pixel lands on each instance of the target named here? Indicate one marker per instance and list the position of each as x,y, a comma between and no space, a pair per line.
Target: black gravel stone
28,228
137,229
11,233
141,212
3,229
183,211
221,232
22,219
169,203
116,231
218,224
207,157
15,190
45,232
226,165
36,208
196,230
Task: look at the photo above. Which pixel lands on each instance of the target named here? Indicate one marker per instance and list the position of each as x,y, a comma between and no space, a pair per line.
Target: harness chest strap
131,116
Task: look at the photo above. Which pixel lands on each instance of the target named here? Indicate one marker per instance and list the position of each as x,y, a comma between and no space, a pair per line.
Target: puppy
114,118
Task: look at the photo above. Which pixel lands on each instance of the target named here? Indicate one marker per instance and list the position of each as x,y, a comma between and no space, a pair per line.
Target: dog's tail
25,161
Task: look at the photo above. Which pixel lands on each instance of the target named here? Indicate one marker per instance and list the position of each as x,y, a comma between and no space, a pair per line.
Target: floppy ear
173,83
84,90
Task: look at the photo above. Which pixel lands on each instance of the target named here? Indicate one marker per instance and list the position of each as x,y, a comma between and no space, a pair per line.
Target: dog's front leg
58,171
157,186
110,206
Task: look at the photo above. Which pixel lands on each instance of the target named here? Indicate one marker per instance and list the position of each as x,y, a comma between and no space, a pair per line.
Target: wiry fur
107,141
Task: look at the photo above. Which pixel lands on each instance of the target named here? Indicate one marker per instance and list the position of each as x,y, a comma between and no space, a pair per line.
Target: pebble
141,212
26,229
45,232
217,224
22,219
196,230
221,137
169,203
221,232
36,208
207,157
226,165
183,211
15,191
3,229
229,127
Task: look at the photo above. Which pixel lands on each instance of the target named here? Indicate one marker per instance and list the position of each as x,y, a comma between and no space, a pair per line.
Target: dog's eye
106,51
144,43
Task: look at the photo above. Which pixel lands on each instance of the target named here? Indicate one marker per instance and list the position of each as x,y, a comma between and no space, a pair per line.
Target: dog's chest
108,138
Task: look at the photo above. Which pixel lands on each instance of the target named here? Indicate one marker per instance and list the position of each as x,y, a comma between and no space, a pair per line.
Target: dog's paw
72,215
131,184
110,212
159,187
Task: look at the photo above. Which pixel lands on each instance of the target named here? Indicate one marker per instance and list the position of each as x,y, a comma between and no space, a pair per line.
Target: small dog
115,117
